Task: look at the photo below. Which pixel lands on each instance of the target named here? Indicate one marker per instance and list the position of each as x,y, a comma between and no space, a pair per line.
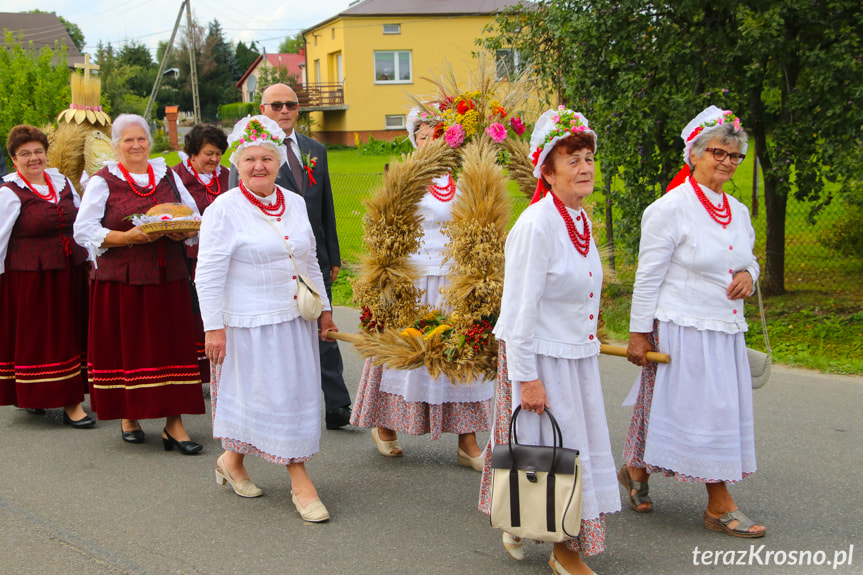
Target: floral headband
551,127
256,131
709,118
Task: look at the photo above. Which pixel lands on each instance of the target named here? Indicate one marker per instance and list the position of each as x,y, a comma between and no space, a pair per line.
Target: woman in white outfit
265,387
394,401
693,417
547,331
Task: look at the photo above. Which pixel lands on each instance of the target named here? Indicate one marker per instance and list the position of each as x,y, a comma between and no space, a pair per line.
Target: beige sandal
387,448
744,524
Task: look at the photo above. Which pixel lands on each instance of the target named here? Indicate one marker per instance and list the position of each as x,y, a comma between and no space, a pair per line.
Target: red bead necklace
214,182
581,241
276,210
134,187
443,193
720,215
51,196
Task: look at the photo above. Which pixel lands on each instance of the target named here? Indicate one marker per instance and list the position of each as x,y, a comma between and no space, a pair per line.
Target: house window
395,122
507,63
393,67
318,71
392,28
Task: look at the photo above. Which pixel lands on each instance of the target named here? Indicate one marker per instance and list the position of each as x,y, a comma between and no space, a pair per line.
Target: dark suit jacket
2,164
319,201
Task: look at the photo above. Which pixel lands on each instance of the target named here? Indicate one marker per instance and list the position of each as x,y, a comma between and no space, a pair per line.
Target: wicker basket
169,226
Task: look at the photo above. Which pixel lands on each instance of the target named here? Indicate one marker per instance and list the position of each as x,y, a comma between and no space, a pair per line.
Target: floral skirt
374,408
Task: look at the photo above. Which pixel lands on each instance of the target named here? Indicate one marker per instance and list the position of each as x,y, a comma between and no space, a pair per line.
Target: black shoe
135,436
82,423
35,411
184,447
338,418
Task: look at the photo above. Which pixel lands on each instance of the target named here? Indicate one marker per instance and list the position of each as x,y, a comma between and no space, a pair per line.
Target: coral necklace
720,215
51,196
276,210
214,182
151,184
443,193
581,241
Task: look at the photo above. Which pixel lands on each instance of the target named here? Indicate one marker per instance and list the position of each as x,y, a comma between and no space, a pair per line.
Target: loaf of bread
171,209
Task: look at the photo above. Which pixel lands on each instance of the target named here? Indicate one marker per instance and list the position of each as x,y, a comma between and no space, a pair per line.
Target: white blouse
10,204
89,232
686,262
245,277
434,213
550,303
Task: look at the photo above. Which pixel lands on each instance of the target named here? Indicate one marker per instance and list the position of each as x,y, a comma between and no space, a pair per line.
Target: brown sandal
641,491
744,524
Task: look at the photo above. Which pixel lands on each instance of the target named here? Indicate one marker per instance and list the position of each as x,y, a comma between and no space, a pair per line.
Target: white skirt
574,392
701,418
270,389
416,385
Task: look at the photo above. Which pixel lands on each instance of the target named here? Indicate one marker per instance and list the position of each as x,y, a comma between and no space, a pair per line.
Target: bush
400,145
237,110
161,141
846,236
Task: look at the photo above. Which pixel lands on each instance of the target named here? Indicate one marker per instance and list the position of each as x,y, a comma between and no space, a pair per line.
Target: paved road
82,501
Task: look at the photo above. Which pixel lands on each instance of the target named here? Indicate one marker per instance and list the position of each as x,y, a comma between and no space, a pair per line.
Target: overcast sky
151,21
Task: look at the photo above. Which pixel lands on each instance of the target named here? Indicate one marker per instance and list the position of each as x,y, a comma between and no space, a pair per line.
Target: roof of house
43,30
293,62
420,7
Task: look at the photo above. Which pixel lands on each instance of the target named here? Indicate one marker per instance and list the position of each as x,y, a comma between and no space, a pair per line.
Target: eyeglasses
719,155
40,153
277,106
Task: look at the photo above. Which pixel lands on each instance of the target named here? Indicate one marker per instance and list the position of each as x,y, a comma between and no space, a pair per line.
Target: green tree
35,86
640,70
245,56
71,28
292,44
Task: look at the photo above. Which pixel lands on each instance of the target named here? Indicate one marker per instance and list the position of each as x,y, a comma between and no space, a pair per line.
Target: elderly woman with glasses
43,285
142,361
693,418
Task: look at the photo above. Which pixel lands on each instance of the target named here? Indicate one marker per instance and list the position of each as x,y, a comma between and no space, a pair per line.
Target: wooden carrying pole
615,350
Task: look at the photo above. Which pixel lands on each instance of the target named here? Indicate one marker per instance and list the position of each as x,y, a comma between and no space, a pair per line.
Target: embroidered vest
42,235
153,263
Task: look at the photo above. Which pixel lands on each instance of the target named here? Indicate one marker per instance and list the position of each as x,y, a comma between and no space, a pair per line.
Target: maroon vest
162,260
199,192
42,235
196,189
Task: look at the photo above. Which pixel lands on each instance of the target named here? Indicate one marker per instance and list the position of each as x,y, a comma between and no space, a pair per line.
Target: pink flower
455,136
561,107
736,124
581,129
555,119
517,125
497,132
252,138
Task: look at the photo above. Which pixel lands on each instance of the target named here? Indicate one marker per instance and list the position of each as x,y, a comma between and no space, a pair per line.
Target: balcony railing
322,96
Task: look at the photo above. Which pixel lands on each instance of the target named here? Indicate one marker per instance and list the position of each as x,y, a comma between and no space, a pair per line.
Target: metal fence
809,263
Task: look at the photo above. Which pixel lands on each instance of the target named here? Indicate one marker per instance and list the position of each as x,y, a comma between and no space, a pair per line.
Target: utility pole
192,65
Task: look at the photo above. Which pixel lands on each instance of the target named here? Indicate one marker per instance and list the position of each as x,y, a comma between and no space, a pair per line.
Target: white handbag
308,297
760,363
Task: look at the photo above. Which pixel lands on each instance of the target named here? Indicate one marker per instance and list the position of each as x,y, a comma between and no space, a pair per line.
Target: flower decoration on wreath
256,131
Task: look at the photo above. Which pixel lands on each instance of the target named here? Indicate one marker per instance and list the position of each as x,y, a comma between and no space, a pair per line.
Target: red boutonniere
309,164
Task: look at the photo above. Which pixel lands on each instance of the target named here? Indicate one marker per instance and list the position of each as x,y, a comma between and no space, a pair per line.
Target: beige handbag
308,297
536,490
760,363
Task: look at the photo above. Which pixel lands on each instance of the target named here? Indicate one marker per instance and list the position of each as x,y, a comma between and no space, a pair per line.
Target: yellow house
362,62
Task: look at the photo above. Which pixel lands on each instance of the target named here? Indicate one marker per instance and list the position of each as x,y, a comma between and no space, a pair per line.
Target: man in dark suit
307,161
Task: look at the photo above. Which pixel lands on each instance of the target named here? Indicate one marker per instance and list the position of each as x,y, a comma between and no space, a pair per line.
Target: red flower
463,107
